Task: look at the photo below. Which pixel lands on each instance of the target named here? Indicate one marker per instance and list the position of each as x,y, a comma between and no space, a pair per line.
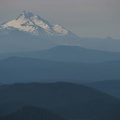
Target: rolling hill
29,32
20,69
68,54
111,87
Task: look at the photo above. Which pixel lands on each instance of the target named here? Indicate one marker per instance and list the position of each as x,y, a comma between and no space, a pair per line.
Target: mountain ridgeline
20,69
43,67
68,54
29,32
31,113
71,101
111,87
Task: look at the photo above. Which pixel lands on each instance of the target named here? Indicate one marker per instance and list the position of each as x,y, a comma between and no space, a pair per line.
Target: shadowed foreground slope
32,113
68,100
111,87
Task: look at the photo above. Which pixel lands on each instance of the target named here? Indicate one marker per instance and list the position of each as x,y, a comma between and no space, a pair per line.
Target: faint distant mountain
18,69
69,54
107,44
31,113
29,32
111,87
69,100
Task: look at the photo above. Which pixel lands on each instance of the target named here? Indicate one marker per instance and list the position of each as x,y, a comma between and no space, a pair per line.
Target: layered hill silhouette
41,68
71,101
19,69
30,32
68,54
111,87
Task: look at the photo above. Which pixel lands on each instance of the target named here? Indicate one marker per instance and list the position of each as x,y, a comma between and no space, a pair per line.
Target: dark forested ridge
31,113
111,87
71,101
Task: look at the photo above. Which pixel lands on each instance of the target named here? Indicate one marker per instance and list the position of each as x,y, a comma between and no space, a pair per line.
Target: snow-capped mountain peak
35,25
26,15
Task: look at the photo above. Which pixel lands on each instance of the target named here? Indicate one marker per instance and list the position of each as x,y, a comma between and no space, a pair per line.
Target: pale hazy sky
86,18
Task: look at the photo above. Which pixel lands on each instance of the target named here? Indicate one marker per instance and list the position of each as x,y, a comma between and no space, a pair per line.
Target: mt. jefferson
35,25
30,32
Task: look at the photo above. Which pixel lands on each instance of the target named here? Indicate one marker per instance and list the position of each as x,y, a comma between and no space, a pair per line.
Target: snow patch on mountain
60,29
40,23
30,23
21,24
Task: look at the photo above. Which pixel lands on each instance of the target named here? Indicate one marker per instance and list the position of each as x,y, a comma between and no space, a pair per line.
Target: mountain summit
34,24
29,32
